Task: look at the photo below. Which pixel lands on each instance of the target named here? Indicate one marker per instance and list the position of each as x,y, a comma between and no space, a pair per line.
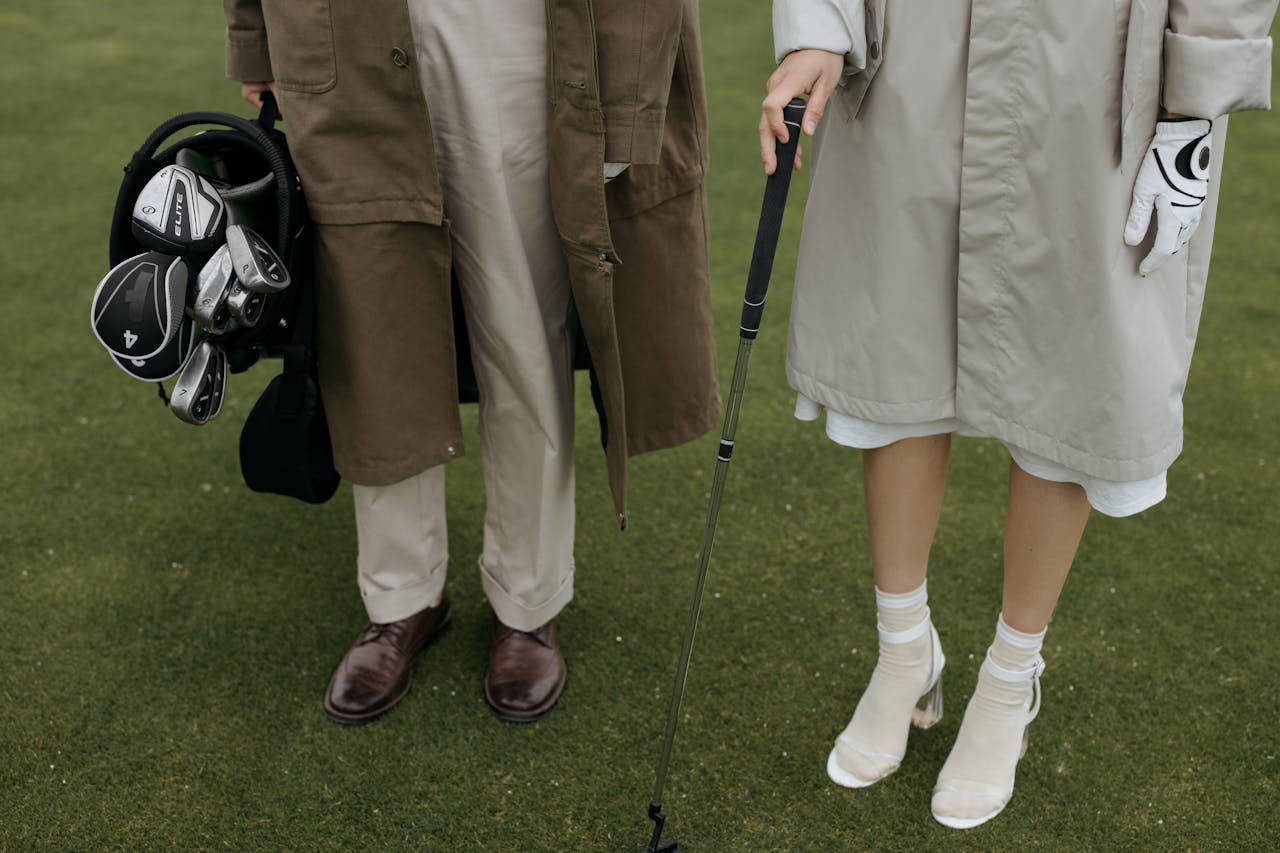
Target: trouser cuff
519,615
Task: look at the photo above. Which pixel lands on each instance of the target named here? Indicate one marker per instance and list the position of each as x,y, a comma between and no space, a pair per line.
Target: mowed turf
167,634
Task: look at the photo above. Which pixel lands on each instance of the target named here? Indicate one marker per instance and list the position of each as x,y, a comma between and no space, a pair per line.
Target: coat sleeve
638,43
1217,56
248,59
837,26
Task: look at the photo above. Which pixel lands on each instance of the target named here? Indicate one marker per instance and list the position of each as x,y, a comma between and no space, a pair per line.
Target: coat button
874,50
399,58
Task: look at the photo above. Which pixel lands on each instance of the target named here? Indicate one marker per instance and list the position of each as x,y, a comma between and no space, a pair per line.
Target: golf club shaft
775,199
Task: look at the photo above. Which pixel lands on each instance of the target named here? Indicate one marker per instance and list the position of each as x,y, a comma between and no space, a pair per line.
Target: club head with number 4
137,308
256,264
197,395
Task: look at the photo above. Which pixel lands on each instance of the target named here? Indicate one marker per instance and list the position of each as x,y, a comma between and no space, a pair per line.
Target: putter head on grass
137,307
179,212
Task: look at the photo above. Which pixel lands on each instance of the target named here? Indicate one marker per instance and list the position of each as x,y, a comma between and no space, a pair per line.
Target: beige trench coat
963,254
625,86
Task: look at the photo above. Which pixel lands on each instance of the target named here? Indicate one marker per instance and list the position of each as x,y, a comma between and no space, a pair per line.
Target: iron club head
244,305
214,285
256,264
197,395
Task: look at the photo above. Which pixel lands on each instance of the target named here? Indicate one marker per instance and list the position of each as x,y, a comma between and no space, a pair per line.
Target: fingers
1168,232
768,154
812,72
817,105
1135,230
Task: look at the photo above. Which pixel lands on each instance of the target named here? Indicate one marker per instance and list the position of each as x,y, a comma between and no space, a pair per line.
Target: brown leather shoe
375,673
526,672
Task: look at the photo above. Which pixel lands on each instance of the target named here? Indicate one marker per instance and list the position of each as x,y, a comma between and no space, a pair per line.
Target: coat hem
675,436
392,472
910,411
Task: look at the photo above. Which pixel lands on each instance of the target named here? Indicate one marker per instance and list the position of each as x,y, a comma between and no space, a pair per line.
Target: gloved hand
1174,180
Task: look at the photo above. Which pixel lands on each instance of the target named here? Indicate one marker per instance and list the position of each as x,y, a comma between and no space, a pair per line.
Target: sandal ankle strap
1019,676
915,632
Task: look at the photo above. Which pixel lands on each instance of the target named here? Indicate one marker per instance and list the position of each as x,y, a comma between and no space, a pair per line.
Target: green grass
161,690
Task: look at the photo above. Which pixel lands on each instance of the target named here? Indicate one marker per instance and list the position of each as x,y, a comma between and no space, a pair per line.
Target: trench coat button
874,50
399,58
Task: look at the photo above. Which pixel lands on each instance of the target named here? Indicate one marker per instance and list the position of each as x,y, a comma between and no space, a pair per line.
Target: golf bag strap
299,360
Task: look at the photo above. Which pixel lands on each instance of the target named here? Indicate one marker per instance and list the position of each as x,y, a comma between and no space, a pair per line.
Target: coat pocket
302,48
855,86
1141,80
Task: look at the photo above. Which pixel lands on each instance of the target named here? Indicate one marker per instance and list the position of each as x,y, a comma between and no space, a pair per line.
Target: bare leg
1045,523
1041,535
903,484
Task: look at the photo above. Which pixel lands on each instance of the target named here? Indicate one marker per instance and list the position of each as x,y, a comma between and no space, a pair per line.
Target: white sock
977,780
872,745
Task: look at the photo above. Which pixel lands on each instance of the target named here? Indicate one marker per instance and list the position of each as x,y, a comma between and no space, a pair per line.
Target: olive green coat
625,85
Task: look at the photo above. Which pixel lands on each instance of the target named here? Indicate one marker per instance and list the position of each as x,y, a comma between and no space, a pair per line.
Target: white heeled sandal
926,713
962,803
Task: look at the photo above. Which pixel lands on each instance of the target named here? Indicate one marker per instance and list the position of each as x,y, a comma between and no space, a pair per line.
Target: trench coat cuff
634,135
1211,77
836,26
248,57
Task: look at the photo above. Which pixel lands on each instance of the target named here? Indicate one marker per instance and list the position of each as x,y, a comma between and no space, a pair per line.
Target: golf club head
168,361
197,395
214,284
137,307
256,264
211,166
244,305
179,212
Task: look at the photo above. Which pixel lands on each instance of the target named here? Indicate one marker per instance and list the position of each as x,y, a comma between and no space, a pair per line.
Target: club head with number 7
197,395
256,264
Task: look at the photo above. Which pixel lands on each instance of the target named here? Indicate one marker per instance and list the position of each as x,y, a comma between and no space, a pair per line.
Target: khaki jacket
625,86
963,254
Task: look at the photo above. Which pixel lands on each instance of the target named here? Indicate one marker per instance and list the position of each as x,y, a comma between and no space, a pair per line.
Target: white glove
1174,179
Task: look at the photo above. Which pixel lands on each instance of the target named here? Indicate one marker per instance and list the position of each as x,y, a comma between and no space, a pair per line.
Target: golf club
213,286
256,264
775,202
197,395
168,361
244,305
137,307
179,212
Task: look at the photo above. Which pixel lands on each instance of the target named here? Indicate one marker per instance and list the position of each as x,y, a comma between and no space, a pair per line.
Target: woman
1007,235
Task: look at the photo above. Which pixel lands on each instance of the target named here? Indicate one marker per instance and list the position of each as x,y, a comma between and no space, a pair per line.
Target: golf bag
284,447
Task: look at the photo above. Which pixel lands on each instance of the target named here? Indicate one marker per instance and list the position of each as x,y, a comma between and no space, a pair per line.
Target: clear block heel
928,710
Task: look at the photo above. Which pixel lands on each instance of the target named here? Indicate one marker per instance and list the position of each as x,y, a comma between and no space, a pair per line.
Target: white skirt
1109,497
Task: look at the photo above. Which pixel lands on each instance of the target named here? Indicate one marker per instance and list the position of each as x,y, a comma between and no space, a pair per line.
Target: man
477,136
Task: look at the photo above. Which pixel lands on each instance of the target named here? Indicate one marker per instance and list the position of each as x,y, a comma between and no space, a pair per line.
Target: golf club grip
775,203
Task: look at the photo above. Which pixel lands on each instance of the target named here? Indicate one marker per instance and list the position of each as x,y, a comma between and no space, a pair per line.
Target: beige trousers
483,65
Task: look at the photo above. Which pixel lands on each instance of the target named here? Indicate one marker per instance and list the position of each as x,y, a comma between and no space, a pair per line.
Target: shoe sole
369,716
525,716
844,778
